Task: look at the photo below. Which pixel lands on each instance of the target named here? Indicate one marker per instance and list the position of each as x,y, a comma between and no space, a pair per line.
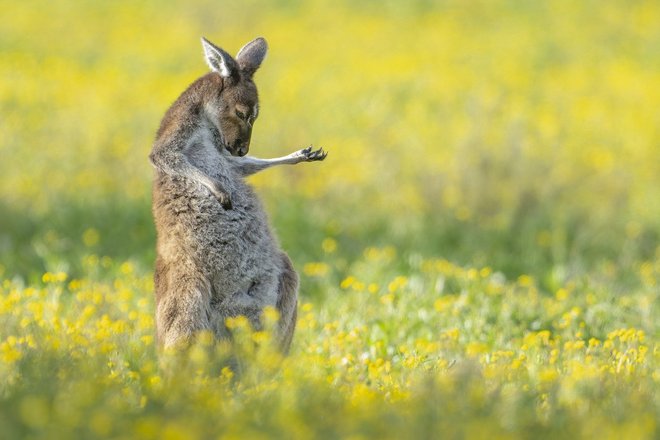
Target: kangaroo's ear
249,58
219,60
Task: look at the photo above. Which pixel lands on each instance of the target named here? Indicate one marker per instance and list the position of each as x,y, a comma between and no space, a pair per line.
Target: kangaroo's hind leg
182,307
287,302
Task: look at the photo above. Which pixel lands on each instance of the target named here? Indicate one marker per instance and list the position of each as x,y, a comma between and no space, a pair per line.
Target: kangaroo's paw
310,156
221,195
224,200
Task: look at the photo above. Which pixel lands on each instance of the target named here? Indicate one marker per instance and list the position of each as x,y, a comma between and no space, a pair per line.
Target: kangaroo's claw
226,203
310,155
224,200
222,196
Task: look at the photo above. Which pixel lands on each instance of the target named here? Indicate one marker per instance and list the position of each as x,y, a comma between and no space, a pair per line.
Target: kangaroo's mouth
238,151
231,150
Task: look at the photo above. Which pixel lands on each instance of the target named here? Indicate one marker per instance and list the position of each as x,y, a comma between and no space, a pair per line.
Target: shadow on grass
122,229
58,240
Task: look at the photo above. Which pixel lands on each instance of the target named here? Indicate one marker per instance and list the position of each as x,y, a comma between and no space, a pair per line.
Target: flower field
479,254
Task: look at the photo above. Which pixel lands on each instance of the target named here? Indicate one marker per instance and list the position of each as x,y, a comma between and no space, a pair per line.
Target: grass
479,254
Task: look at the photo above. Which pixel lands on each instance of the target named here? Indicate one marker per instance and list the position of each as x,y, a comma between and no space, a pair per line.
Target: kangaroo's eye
241,115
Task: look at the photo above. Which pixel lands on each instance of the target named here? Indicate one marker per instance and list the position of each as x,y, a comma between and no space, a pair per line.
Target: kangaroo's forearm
248,165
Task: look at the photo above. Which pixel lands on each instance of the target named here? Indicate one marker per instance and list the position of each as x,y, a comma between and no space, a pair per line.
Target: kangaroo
216,254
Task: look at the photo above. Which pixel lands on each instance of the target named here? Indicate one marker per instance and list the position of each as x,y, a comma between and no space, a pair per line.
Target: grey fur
216,254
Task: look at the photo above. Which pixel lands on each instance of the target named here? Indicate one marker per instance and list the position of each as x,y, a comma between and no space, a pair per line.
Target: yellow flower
238,322
347,282
525,280
329,245
474,348
316,269
548,375
396,284
91,237
387,298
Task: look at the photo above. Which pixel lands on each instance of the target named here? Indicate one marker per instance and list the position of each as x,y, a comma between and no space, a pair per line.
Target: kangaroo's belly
233,249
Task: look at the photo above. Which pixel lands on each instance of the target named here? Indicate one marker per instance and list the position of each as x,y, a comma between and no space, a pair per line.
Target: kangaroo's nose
242,150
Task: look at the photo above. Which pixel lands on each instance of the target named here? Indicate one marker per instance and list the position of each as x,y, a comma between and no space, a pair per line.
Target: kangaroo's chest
203,152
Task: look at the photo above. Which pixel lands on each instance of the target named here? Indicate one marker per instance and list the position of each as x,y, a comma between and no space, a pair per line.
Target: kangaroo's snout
239,148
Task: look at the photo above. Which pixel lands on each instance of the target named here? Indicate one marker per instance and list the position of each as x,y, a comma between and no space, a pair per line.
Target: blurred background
522,136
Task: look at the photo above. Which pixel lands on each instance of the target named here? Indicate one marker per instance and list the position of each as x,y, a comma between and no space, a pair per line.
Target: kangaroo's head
236,105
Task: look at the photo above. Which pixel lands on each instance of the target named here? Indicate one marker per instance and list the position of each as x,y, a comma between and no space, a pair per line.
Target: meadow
479,254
